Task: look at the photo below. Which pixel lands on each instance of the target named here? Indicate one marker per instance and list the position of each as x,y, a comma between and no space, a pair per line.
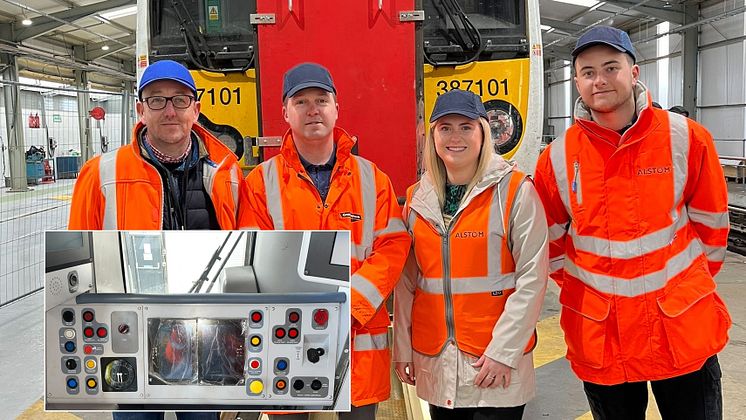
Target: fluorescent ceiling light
584,3
105,47
26,22
546,27
119,13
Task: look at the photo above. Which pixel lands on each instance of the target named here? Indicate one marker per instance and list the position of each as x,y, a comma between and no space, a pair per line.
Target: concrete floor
559,394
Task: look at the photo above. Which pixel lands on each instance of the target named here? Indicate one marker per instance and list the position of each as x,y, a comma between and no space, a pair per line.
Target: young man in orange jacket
174,174
638,223
316,183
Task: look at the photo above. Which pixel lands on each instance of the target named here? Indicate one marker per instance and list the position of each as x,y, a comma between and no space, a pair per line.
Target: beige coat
447,380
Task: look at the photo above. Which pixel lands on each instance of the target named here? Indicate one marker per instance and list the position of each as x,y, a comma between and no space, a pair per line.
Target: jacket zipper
447,293
576,183
163,194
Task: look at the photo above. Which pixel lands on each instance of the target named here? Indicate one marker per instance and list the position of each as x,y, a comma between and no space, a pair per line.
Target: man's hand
491,374
405,372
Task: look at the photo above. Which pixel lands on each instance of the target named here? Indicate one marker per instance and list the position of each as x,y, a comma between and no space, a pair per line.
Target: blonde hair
436,169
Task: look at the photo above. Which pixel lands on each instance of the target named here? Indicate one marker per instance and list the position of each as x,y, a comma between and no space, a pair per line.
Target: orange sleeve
256,214
706,196
86,208
557,217
382,268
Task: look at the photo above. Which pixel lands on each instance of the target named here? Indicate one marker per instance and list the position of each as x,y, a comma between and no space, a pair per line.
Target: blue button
70,346
72,383
282,365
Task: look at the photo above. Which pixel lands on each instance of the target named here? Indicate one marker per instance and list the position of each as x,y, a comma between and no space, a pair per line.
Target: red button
87,316
254,364
321,316
87,349
294,316
280,332
88,332
101,332
256,316
292,333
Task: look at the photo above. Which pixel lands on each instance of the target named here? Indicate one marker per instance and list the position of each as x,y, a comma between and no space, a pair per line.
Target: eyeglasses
157,103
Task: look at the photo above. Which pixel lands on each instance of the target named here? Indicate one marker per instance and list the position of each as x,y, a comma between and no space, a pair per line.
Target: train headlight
506,125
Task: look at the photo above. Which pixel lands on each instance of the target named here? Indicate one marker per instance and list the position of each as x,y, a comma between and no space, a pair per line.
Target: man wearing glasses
173,175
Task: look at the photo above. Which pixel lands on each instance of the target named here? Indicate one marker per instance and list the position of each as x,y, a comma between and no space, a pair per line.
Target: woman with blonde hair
470,295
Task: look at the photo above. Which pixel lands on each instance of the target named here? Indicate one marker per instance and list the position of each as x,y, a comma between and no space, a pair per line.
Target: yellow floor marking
551,342
64,197
36,412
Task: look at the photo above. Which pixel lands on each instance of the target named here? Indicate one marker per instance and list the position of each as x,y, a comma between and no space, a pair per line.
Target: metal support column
574,94
689,53
127,105
14,123
84,121
547,129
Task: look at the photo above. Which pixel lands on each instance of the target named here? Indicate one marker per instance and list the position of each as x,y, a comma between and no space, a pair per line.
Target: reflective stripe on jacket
121,190
362,200
637,233
473,288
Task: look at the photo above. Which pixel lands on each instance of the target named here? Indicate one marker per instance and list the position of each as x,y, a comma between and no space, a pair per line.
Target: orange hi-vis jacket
467,272
638,228
361,200
121,190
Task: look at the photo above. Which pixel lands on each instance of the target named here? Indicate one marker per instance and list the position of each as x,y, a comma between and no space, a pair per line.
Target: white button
70,334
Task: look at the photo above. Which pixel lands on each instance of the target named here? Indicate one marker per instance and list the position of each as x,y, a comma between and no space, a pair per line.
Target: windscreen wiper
466,35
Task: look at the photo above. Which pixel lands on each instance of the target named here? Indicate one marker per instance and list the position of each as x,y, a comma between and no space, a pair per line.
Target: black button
298,384
316,385
68,316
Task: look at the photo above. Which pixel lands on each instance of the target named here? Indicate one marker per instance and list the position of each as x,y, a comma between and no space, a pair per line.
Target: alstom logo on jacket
654,170
637,233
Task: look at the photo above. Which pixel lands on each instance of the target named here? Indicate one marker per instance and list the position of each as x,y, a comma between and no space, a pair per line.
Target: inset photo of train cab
544,204
188,320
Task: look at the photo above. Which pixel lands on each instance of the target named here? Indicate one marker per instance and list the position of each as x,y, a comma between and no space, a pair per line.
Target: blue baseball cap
459,102
606,35
306,75
166,70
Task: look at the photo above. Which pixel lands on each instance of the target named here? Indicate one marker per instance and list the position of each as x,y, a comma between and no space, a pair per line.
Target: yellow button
91,383
90,364
256,387
255,340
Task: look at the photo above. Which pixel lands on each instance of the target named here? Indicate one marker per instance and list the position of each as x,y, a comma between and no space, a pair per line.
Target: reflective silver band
713,220
107,171
633,248
641,285
368,196
365,342
467,285
368,290
679,156
272,189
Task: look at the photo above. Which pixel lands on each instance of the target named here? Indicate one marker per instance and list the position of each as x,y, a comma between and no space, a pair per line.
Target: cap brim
307,85
150,82
467,114
583,47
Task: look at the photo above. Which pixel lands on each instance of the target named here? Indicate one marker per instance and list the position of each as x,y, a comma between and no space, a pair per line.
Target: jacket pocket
583,320
694,319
